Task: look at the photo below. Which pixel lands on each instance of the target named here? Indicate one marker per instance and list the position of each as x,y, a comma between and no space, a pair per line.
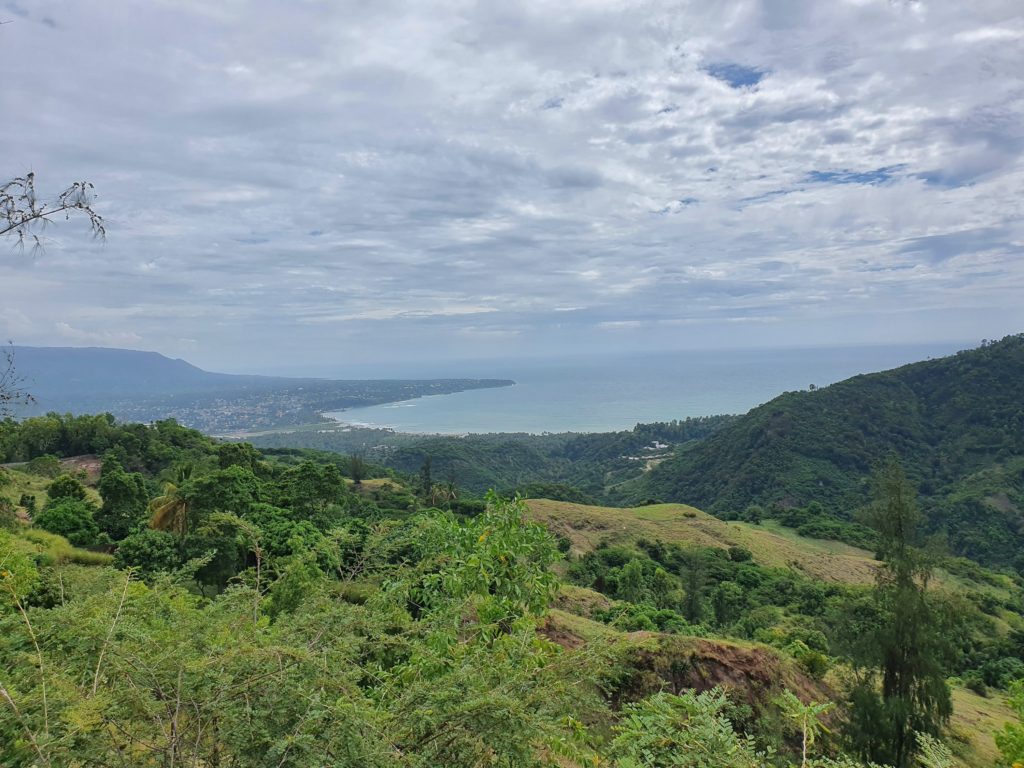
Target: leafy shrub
44,466
149,552
740,554
668,731
70,518
66,487
8,516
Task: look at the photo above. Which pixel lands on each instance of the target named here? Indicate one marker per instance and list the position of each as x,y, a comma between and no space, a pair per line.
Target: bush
66,487
71,519
740,554
44,466
973,681
149,551
8,518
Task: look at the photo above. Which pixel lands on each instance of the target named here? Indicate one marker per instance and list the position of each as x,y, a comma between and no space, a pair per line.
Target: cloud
385,180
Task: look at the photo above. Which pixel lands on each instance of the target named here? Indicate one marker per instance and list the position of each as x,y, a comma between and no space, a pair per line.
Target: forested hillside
593,464
956,423
168,599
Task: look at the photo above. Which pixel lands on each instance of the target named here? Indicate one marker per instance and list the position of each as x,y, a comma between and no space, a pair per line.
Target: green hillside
956,423
325,611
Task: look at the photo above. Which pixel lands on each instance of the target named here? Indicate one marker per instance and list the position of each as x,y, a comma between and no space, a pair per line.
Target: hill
587,527
956,423
147,386
327,563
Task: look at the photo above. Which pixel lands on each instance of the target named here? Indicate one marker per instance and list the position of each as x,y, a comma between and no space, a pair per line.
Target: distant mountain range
144,386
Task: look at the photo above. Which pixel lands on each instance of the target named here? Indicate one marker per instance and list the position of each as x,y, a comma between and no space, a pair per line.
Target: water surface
604,393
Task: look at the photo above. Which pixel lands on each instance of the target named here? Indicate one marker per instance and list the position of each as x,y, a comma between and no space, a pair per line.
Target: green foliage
1011,739
805,719
908,645
238,455
44,466
18,571
70,518
957,423
124,499
66,487
314,491
500,558
666,730
149,553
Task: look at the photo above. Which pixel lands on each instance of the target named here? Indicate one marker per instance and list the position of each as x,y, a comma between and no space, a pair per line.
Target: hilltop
956,423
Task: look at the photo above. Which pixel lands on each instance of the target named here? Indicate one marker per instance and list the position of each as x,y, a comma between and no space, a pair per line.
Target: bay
601,393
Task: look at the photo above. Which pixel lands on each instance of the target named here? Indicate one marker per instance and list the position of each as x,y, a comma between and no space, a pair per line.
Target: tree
314,491
693,575
357,468
170,511
148,552
727,603
12,387
66,487
70,518
632,583
1011,739
805,719
426,480
240,455
124,499
907,642
23,215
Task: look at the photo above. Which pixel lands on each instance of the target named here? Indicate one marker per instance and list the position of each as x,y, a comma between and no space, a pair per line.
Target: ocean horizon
604,393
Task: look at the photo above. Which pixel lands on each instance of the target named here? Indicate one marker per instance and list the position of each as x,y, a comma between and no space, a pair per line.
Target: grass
16,482
56,550
771,545
975,721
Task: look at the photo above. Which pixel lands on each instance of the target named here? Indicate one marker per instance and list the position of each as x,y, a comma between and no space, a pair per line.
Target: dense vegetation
171,600
957,424
593,464
804,458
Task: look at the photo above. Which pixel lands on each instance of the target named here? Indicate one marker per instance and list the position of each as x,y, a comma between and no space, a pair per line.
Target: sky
303,186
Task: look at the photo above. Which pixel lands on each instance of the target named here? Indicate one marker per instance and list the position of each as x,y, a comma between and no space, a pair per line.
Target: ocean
613,392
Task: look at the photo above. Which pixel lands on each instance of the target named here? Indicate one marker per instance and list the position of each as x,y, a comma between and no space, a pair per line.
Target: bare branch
12,386
23,215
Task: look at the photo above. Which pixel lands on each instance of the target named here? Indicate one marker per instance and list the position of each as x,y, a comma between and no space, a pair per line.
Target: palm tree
170,511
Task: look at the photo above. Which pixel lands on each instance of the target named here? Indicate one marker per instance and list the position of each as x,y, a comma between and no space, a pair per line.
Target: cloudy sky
296,185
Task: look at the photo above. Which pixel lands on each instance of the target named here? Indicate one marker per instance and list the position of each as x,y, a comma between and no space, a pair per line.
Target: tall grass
56,550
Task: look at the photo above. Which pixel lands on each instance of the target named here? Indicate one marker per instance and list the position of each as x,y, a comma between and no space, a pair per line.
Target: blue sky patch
846,176
736,75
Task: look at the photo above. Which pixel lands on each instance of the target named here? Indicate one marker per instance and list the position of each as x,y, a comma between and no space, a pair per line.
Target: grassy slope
19,482
771,545
51,548
975,721
948,420
975,718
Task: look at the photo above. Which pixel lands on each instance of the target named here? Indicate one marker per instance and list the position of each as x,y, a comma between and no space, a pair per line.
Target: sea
602,393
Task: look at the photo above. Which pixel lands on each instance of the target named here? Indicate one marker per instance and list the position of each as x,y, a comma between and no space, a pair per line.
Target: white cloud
357,177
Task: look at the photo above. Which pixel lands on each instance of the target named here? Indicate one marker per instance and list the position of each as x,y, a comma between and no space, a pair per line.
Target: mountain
68,372
956,423
145,386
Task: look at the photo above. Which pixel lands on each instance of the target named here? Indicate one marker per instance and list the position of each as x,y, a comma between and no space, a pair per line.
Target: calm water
598,394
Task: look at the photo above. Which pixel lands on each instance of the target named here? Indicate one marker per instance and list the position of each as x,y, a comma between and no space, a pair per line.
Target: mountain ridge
948,420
